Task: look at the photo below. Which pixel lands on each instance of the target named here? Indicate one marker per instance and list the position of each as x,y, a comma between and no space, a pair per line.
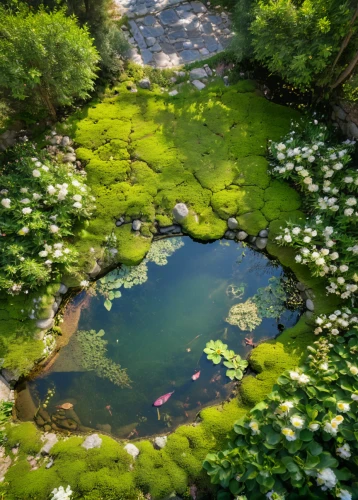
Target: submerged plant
128,276
270,300
215,350
244,315
236,291
235,364
93,357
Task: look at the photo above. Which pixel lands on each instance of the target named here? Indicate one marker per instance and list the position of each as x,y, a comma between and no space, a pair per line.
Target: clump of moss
27,435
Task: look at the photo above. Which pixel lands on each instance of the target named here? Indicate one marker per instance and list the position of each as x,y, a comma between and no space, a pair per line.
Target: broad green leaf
108,304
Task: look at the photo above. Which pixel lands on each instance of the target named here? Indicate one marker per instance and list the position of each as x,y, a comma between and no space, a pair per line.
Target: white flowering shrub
302,437
61,493
40,202
328,242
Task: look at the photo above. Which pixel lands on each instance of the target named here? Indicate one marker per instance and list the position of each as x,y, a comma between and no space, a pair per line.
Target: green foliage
350,89
216,350
93,357
244,315
29,68
270,300
40,204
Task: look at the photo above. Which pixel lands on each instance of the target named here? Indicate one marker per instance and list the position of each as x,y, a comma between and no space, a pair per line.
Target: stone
339,112
96,269
310,305
155,48
352,130
168,16
198,7
69,158
204,51
149,20
50,441
147,56
49,464
10,376
300,286
198,84
5,389
169,229
180,212
189,55
151,41
242,235
144,83
66,141
197,74
173,93
230,235
188,45
226,81
120,221
136,224
208,70
261,243
161,59
93,441
63,289
263,233
232,223
45,324
160,442
132,450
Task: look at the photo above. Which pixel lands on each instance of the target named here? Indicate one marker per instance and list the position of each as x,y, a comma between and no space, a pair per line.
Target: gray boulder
198,84
160,442
132,450
230,235
197,74
5,390
66,141
232,223
310,305
50,441
145,83
69,158
120,221
261,243
93,441
300,286
96,269
242,235
45,324
136,225
180,211
263,233
63,289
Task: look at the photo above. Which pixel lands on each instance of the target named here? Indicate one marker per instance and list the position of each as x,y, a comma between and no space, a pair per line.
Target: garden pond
141,333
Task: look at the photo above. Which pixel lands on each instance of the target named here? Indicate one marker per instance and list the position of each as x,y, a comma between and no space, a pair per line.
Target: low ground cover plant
40,202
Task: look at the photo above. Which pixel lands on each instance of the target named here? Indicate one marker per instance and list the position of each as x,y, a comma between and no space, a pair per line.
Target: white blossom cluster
336,323
324,173
61,493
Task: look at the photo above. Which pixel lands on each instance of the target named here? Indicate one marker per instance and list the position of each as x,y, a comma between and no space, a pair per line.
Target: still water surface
157,331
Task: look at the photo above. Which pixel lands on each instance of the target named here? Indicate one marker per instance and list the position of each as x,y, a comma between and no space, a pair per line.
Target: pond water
157,331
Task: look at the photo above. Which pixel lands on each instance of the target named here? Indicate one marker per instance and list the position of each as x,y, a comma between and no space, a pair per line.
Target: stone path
164,37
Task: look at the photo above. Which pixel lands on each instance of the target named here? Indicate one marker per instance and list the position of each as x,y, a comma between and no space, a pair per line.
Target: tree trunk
346,39
87,6
47,101
345,74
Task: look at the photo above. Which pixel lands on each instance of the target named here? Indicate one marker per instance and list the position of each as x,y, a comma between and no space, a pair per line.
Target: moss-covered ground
145,152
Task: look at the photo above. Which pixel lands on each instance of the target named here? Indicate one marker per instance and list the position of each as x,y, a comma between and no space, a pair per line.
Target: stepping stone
198,84
193,25
198,43
177,34
149,20
204,52
215,20
210,43
189,55
154,31
197,74
147,56
198,7
168,17
168,48
186,15
185,7
173,93
155,48
187,45
207,28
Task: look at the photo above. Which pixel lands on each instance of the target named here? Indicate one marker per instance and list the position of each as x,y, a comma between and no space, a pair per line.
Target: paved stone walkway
164,37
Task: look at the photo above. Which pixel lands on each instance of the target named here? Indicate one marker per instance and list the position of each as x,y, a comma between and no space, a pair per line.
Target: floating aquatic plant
93,357
236,291
244,315
215,350
128,276
270,300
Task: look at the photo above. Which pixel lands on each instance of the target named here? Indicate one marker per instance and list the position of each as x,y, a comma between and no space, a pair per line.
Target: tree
46,59
309,43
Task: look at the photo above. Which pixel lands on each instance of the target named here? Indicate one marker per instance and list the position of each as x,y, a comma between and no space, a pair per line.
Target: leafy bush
40,202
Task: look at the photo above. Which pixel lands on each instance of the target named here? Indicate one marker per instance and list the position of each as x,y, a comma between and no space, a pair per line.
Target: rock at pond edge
93,441
180,211
132,450
232,223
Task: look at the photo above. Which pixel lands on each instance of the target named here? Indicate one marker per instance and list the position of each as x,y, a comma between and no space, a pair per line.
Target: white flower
75,183
306,239
348,212
273,495
297,422
24,230
36,196
327,479
334,255
36,173
54,228
77,204
313,188
61,493
344,495
344,451
320,261
351,202
281,146
254,426
281,156
45,168
77,197
298,258
311,158
84,283
285,407
323,366
24,190
26,210
296,231
25,201
66,250
353,370
51,190
58,245
48,262
294,375
343,407
334,331
348,180
354,397
343,268
38,164
5,202
289,434
43,253
57,254
313,427
287,238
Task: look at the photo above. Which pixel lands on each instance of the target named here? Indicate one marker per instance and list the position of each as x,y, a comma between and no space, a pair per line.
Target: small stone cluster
61,146
176,36
234,233
345,114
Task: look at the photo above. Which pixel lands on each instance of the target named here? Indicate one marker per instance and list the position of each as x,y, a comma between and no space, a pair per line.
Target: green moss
252,171
252,222
205,225
32,485
280,197
27,435
131,247
237,201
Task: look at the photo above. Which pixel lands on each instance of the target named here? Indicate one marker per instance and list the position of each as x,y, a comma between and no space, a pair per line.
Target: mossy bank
144,152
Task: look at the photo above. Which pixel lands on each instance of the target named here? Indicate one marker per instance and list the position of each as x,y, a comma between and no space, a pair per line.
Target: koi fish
195,376
163,399
109,408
